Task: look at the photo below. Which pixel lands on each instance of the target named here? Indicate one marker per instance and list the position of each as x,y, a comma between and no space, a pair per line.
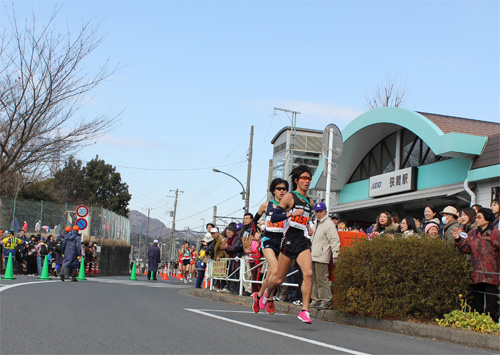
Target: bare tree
393,93
42,88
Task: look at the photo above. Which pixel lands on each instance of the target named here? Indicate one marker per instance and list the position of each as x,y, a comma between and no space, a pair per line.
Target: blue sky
196,75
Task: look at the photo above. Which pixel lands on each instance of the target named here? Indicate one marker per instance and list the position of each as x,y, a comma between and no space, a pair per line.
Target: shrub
469,320
399,277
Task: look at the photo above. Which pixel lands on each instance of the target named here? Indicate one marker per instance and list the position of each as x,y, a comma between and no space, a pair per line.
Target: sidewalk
434,332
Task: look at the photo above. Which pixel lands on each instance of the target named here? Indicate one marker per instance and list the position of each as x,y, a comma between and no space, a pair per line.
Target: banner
219,268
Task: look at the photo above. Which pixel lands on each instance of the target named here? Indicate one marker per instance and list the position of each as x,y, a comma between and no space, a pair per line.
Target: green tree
68,182
103,185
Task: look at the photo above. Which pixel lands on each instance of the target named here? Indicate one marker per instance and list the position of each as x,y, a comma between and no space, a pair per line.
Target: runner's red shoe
270,307
255,305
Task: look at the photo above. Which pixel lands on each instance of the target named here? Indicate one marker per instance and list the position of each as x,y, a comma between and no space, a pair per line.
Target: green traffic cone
81,273
133,276
9,270
45,270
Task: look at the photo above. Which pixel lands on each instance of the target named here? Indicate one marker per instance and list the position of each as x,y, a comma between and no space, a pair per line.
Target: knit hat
430,225
67,229
76,228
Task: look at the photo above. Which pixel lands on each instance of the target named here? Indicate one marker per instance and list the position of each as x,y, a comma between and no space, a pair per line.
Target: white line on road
6,287
228,311
310,341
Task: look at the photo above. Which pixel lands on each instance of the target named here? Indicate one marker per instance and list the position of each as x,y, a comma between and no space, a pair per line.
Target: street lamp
243,194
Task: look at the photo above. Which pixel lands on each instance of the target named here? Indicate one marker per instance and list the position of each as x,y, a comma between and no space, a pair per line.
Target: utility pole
215,215
173,224
249,171
147,230
292,138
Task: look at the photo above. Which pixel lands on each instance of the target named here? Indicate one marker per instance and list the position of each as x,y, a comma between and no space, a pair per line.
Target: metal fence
51,217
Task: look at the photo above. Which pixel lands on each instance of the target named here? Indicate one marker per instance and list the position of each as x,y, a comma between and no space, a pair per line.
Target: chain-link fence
51,217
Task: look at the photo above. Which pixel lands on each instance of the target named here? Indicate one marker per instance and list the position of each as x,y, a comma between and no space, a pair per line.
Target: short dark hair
296,172
276,182
248,214
210,224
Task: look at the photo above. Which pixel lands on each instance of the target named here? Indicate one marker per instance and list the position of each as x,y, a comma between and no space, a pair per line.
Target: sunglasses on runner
305,178
281,188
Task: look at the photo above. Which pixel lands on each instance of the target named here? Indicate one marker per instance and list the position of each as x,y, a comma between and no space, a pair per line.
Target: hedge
398,277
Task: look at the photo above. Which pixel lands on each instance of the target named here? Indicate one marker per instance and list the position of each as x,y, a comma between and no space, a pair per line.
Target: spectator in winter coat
325,247
72,251
468,220
58,250
153,260
234,249
483,244
450,220
430,215
495,208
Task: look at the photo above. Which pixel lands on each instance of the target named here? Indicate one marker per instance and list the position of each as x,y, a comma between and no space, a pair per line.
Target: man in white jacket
325,245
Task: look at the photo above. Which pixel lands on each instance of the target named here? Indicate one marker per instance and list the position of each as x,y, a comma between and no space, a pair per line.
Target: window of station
381,158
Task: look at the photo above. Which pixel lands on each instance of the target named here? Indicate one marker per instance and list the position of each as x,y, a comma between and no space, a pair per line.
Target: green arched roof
371,127
440,143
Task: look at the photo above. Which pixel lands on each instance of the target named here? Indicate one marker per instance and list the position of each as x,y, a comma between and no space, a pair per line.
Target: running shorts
292,246
185,262
272,243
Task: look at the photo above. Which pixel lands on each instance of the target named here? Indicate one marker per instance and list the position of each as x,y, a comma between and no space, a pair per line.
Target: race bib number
299,222
278,227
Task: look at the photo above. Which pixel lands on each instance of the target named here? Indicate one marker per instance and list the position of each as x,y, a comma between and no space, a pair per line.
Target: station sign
404,180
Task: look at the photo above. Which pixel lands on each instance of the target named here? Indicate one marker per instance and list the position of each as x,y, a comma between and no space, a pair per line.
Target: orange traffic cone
96,267
145,272
206,282
165,276
179,275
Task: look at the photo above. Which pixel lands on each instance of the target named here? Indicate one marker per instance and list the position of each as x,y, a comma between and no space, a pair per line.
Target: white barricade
242,268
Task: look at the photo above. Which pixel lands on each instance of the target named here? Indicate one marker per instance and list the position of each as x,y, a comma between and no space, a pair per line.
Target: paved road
108,315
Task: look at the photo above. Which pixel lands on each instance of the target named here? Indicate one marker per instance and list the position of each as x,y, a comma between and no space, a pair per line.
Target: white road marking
251,312
310,341
6,287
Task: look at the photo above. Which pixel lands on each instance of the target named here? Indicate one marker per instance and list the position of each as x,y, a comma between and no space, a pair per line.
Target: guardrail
242,268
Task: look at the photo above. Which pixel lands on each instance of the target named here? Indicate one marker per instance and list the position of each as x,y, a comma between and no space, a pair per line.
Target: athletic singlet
193,256
273,230
186,255
297,225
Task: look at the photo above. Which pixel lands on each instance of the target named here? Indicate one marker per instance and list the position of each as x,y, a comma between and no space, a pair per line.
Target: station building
400,160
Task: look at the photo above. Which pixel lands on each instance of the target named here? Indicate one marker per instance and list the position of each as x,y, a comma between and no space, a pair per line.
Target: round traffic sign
338,143
82,211
81,223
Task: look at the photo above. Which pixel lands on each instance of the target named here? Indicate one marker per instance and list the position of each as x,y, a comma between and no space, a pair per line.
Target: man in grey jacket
325,246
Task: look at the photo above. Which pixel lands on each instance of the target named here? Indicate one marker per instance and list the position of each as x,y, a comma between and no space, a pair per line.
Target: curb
434,332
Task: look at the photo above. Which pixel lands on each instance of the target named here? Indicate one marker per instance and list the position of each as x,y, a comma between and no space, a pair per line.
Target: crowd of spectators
28,253
477,228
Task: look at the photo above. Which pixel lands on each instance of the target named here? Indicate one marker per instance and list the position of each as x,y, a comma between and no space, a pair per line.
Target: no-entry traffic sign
82,211
81,223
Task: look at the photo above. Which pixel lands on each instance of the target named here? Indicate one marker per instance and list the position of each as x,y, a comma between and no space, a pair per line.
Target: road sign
338,143
82,211
81,223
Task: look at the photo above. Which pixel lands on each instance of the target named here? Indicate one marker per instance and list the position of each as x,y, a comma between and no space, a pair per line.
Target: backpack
44,250
58,246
